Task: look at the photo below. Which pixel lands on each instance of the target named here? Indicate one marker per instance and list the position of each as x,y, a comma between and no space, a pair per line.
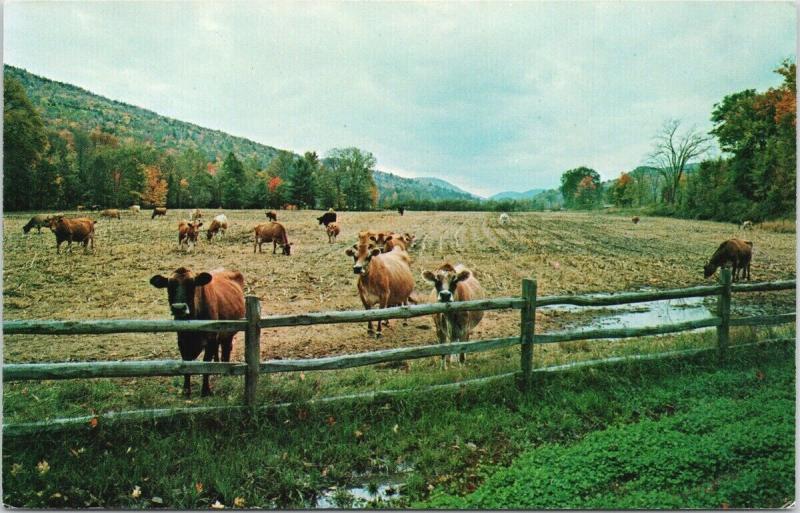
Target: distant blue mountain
512,195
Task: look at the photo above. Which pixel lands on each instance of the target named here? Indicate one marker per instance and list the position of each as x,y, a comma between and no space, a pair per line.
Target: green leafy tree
353,168
24,143
577,192
232,182
302,190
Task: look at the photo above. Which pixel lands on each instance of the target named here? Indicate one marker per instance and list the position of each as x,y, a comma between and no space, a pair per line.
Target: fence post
252,349
724,313
527,326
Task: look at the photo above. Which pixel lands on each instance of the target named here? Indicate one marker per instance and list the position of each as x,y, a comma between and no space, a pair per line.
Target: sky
490,96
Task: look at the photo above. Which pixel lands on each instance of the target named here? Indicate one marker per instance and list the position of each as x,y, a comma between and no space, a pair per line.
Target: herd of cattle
381,261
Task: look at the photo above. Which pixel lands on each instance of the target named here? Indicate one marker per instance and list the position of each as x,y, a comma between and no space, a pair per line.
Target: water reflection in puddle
357,497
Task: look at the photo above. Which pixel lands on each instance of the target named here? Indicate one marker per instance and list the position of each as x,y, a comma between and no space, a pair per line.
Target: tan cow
195,214
72,230
218,226
135,209
333,231
111,213
218,295
37,222
271,232
187,233
401,240
384,279
454,284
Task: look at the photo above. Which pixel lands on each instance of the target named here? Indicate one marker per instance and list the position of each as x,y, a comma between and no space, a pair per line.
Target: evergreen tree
233,185
302,190
24,142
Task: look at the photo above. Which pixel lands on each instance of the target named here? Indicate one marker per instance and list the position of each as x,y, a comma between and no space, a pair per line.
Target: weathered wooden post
527,326
724,313
252,349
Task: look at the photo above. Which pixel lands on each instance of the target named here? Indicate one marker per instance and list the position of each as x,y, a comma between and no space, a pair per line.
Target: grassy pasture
566,252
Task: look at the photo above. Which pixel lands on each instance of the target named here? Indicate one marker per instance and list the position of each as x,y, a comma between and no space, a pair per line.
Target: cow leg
211,350
187,386
441,336
462,357
227,347
274,246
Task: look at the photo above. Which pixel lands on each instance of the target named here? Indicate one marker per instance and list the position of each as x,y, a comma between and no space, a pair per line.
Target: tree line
59,169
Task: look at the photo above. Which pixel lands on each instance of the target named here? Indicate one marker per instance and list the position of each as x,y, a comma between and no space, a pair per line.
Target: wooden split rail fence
254,322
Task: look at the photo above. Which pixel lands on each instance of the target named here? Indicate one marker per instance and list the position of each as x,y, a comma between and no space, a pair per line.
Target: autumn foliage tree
155,187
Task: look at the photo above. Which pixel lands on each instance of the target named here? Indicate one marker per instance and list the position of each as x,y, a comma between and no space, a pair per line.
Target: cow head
194,230
287,248
180,290
362,254
709,269
53,222
446,279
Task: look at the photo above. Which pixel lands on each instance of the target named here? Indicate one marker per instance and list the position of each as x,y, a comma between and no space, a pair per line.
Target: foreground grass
452,441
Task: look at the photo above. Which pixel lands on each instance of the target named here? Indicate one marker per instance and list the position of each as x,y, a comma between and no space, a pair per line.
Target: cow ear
202,279
387,239
372,238
349,252
429,276
375,251
463,275
199,224
159,281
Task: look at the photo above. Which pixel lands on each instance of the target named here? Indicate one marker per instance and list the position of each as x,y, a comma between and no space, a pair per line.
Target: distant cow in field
274,233
271,215
384,279
95,208
504,220
218,226
635,219
454,284
401,210
79,230
218,295
159,211
195,214
747,225
333,231
736,252
327,218
187,233
135,209
111,213
80,208
37,221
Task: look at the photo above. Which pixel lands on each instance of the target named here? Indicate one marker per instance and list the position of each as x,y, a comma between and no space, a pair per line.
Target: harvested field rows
566,252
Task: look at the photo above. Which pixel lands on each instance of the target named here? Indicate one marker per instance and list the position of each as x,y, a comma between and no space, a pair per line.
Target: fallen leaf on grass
218,505
137,492
239,502
199,487
43,467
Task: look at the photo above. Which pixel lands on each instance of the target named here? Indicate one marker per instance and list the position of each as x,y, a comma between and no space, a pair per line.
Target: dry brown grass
566,252
779,226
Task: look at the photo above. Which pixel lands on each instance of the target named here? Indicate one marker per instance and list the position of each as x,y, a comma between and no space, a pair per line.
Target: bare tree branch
673,151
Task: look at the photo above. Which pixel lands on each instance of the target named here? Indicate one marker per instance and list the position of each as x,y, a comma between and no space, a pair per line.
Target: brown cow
218,225
393,240
384,279
333,231
195,214
37,222
271,215
736,252
635,219
72,230
111,213
271,232
159,211
218,295
187,233
454,284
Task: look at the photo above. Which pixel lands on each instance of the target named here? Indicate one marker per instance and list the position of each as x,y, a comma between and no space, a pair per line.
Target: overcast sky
490,96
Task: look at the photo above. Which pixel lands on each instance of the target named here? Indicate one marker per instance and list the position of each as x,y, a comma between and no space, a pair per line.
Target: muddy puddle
358,497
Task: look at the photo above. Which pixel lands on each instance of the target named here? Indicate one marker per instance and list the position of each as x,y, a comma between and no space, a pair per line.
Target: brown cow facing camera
454,284
215,295
72,230
333,231
187,233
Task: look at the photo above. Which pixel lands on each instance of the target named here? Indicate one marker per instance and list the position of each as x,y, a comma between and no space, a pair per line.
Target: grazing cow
72,230
271,232
327,218
333,230
80,208
111,213
37,222
135,209
454,284
747,225
737,252
401,210
218,226
218,295
159,211
187,233
635,219
271,215
384,279
195,214
504,219
95,208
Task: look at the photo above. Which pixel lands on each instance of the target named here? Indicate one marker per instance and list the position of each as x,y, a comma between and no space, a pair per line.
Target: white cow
504,220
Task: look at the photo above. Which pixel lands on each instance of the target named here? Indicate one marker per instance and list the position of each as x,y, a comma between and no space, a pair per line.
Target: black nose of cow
357,269
179,310
445,296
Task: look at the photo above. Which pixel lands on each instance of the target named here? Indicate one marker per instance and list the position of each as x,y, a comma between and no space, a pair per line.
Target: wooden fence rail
254,322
